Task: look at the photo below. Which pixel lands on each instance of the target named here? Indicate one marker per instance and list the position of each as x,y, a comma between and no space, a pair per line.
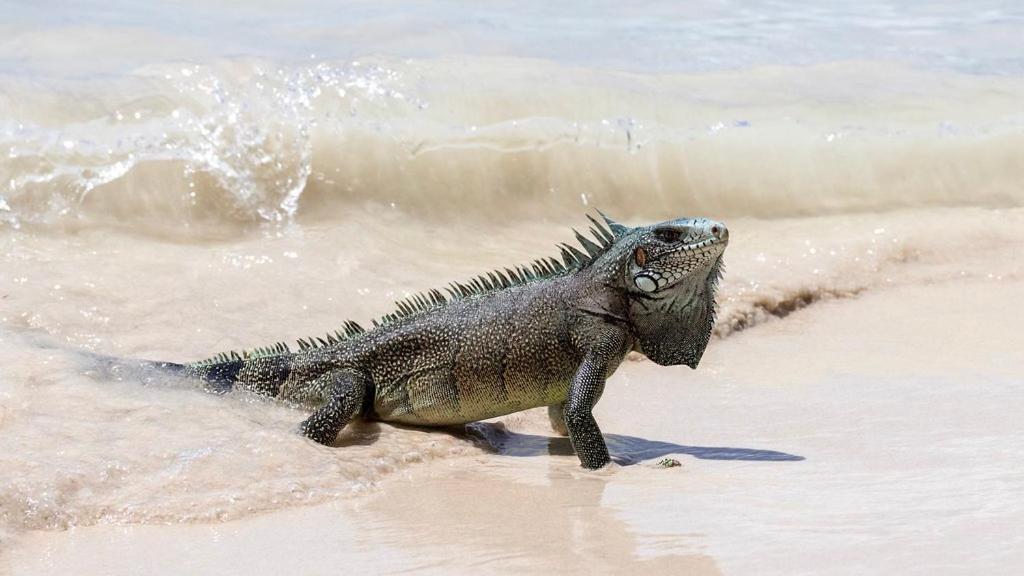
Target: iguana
547,334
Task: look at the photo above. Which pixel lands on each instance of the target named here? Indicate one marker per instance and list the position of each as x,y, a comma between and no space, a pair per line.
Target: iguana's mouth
697,246
716,235
694,247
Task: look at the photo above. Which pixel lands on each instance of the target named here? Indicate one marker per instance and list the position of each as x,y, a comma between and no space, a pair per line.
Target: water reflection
536,516
507,519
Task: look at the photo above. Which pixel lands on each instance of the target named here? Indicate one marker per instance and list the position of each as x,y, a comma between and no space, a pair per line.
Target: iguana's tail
114,368
220,375
262,371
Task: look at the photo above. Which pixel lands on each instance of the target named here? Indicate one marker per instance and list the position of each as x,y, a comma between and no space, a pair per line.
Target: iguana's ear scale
616,228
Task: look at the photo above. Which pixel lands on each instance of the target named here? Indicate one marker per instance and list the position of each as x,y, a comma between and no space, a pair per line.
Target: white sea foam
243,143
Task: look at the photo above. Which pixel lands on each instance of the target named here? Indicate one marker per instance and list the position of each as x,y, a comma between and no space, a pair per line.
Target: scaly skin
549,335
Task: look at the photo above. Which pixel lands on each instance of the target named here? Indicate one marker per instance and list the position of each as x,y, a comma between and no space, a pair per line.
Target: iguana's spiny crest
572,258
660,263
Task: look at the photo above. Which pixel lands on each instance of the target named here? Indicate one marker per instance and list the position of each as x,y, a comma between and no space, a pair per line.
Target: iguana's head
669,272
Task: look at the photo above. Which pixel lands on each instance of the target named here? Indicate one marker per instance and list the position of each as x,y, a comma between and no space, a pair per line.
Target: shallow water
173,184
78,452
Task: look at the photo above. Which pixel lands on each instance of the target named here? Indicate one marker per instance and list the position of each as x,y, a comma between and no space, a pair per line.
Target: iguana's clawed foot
318,434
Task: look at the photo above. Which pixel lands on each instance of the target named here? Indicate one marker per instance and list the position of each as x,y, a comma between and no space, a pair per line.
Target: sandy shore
877,434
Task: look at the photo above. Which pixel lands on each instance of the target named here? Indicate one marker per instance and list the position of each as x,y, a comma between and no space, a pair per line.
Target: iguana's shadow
625,450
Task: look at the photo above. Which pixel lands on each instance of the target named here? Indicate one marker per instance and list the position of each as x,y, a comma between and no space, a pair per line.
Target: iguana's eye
666,234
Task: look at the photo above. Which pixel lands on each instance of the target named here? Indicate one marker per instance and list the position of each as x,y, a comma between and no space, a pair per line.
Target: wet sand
873,434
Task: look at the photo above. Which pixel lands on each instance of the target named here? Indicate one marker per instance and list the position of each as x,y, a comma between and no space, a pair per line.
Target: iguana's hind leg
344,392
556,413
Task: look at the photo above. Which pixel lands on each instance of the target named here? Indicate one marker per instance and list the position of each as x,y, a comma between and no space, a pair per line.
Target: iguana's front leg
344,391
584,392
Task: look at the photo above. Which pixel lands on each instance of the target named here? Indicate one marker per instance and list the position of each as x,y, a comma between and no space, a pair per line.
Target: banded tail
263,371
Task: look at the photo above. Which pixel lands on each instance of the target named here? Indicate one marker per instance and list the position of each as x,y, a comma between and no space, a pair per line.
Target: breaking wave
250,143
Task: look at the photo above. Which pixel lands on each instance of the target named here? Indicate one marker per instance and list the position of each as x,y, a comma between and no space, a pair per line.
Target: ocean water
184,114
182,178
